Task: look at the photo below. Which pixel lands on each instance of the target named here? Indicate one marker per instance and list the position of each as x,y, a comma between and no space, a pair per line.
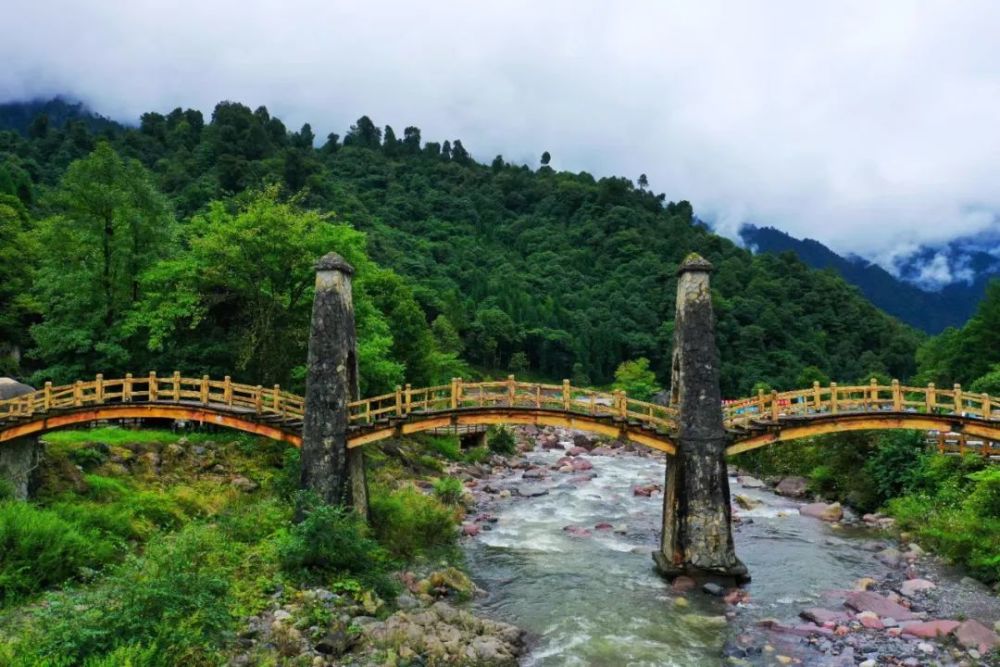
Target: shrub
39,549
449,490
501,440
89,457
894,463
476,455
167,607
334,541
408,523
447,446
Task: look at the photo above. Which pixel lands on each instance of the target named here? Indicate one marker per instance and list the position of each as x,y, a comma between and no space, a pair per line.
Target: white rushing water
596,599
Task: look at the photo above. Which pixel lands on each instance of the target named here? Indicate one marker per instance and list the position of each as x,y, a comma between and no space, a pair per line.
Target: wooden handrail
404,401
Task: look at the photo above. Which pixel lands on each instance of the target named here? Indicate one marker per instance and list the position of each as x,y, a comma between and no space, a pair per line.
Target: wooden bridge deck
272,412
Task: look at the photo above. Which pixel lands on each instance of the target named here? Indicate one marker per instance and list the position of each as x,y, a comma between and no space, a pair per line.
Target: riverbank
561,540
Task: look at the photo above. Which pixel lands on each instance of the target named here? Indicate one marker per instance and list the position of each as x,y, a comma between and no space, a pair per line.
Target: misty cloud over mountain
869,126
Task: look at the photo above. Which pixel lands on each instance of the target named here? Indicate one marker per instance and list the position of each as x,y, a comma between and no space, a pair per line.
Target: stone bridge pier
18,457
697,538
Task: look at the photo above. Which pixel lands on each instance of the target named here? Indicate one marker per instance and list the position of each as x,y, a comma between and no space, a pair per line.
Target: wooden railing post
99,388
958,400
127,389
153,388
930,399
399,401
833,398
227,390
278,405
774,405
204,389
565,395
873,398
760,402
817,396
897,397
177,386
258,399
511,390
78,393
987,413
622,405
409,398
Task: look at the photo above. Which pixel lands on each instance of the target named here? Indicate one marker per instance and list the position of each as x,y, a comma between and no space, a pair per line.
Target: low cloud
868,126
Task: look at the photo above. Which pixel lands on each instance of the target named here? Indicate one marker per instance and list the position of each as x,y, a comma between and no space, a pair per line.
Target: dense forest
188,244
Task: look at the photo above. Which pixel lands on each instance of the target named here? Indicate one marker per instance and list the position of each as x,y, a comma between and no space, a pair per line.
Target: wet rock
534,473
890,557
864,583
870,620
746,502
646,490
584,441
713,588
582,465
577,531
470,530
821,616
531,490
911,587
602,451
576,451
883,606
973,634
603,526
832,512
930,629
683,584
748,482
793,487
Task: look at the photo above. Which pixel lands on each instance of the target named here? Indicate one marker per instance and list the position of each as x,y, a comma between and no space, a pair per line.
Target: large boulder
11,388
881,605
832,512
793,487
973,634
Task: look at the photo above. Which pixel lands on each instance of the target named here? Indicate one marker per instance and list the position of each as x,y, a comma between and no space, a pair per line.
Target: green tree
110,223
636,379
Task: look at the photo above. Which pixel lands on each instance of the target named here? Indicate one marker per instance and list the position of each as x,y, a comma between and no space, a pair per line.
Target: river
590,596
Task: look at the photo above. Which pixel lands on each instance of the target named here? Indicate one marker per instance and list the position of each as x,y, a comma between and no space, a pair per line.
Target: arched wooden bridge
278,414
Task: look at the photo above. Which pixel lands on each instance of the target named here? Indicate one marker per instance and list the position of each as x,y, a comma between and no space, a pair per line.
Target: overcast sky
870,126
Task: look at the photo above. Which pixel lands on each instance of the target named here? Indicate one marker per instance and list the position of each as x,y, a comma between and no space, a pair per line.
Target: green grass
115,435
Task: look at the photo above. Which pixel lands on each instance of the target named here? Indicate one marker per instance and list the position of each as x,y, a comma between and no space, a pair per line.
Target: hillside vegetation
188,243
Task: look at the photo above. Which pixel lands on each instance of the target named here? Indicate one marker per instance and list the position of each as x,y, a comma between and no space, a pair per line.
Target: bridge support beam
334,472
697,538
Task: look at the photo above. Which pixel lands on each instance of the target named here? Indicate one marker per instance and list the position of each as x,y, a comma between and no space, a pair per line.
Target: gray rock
531,490
713,588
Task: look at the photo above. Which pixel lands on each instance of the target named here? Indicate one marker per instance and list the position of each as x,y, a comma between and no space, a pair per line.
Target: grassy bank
148,548
948,503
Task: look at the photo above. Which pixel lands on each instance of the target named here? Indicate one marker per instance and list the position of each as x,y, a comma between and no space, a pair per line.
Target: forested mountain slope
929,310
515,268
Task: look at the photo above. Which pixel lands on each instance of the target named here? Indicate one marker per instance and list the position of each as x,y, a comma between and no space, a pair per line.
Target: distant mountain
19,116
936,287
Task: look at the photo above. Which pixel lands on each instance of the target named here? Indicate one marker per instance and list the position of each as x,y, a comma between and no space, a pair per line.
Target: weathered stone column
329,468
697,538
18,457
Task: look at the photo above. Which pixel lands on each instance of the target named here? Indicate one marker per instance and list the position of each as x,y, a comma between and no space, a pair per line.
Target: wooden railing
744,414
872,397
510,393
258,400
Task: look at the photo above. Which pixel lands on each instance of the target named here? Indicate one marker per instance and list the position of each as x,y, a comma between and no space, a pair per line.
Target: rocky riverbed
561,540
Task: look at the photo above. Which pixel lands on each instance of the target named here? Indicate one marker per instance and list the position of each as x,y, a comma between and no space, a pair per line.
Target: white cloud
868,126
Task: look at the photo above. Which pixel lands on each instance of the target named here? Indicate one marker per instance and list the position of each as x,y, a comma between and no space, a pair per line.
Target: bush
409,523
476,455
449,490
39,549
447,446
332,541
165,608
501,440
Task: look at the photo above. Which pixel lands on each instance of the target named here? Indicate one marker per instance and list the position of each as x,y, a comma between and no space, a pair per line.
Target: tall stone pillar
19,457
334,472
697,538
